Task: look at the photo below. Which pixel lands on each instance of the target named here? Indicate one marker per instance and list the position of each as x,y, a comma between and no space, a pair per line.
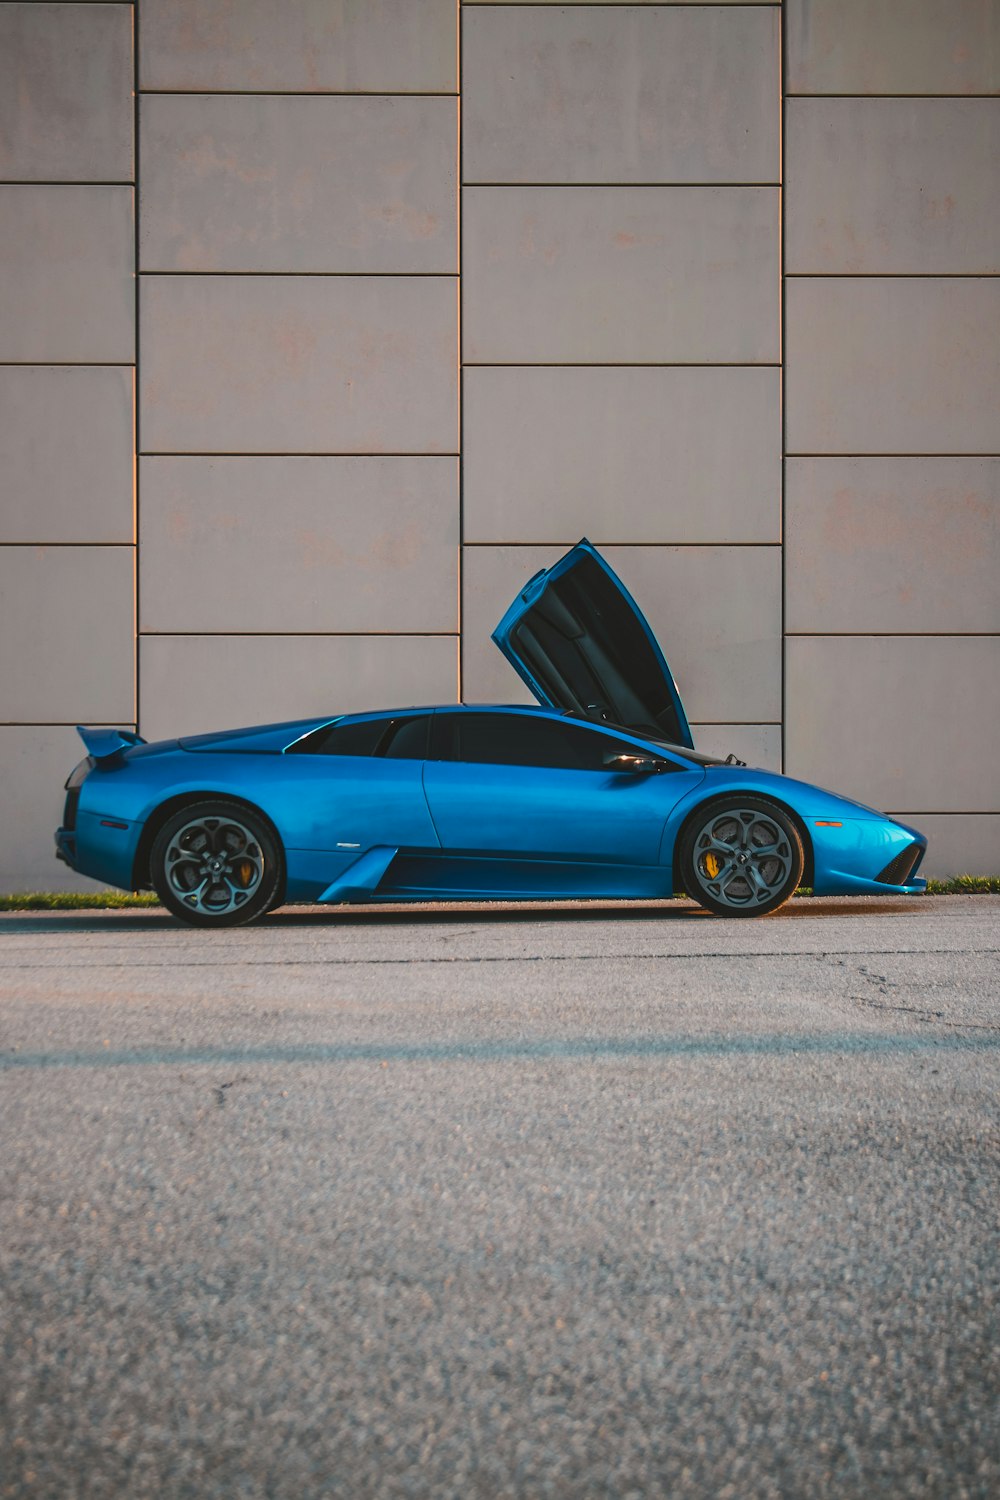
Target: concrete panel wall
620,275
283,183
66,288
897,545
898,722
958,843
314,46
619,454
299,544
66,634
292,364
67,347
870,359
892,186
201,682
620,286
66,453
573,95
893,316
726,662
302,569
65,93
893,47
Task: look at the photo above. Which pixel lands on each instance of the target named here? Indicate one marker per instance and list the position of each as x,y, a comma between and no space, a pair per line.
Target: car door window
406,739
523,740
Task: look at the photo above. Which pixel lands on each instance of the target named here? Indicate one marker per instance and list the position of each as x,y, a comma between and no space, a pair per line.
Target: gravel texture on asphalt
547,1202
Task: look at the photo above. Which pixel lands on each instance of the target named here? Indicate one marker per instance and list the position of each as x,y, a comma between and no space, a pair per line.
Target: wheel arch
808,866
141,878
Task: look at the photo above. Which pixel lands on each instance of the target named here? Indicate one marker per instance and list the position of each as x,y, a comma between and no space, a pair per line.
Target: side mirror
639,765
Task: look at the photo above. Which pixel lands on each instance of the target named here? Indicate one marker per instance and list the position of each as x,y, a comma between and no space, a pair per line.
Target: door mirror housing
639,765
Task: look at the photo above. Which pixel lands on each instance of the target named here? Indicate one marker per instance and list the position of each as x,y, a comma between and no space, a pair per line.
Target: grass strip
957,885
75,900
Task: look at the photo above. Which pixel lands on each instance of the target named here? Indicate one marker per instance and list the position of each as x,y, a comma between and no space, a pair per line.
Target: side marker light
110,823
827,823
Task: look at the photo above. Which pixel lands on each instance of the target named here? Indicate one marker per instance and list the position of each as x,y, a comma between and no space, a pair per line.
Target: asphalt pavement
584,1200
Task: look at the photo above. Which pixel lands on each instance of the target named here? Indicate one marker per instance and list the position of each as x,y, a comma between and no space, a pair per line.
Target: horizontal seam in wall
609,5
891,275
893,635
306,93
443,635
313,275
63,723
657,184
569,364
619,364
943,97
927,812
128,182
286,453
50,545
67,364
791,454
609,542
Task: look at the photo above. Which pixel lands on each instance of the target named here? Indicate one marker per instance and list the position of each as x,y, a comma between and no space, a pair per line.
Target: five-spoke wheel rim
213,866
743,858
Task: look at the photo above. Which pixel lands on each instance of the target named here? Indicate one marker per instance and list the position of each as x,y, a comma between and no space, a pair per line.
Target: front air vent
899,869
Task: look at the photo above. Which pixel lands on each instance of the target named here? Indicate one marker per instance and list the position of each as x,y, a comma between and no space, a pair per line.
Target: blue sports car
597,792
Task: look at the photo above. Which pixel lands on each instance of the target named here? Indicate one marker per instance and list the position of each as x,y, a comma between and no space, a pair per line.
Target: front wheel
216,864
741,857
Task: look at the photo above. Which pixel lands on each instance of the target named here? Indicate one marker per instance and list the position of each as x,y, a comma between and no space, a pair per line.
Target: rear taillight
69,811
74,782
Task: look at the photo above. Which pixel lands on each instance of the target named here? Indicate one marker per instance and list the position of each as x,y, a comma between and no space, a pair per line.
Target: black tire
217,864
741,856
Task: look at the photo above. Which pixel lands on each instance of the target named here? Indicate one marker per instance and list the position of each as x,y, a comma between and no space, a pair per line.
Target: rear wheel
741,857
216,864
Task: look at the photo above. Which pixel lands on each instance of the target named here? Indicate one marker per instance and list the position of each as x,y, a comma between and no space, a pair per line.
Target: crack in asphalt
884,985
509,958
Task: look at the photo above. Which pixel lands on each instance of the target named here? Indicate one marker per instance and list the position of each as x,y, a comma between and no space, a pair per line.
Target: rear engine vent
69,811
899,870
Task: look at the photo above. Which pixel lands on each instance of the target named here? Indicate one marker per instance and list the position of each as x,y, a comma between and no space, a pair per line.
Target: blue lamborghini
597,792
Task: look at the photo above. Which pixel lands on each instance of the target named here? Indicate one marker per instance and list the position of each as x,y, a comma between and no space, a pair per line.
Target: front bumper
861,855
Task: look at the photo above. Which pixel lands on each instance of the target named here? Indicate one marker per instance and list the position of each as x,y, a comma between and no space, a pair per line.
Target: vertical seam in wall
461,372
135,357
783,371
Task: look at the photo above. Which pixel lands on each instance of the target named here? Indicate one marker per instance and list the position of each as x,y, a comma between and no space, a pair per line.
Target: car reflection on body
597,792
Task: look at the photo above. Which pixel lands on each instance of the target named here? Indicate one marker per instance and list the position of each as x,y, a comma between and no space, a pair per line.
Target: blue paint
373,828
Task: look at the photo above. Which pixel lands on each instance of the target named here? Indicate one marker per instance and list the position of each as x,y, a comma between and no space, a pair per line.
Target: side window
406,739
400,739
357,738
522,740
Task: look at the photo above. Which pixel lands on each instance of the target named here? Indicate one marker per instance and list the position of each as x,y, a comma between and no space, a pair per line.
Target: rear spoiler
104,744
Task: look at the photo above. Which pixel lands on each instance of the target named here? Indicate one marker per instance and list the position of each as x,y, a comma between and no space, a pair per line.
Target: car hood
580,642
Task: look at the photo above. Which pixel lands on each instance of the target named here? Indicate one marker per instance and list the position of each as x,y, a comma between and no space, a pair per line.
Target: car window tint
359,737
521,740
406,739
